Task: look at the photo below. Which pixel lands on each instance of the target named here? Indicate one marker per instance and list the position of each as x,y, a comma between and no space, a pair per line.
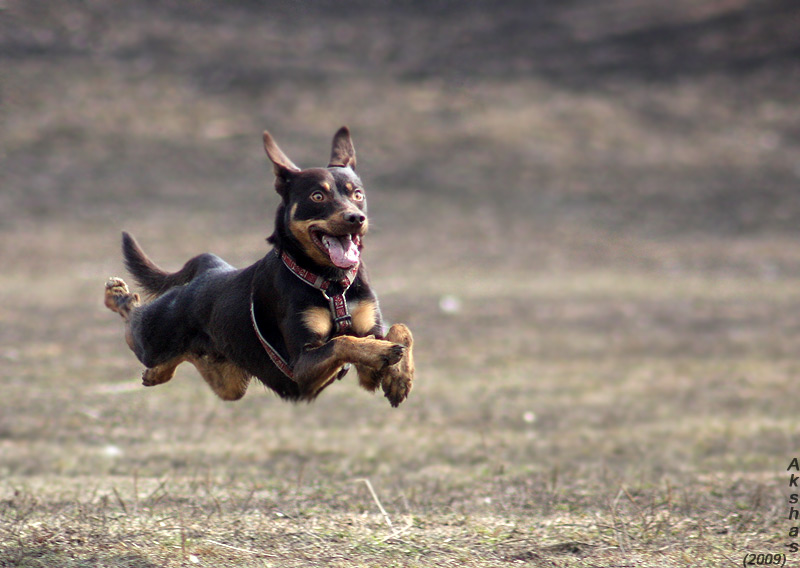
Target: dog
297,319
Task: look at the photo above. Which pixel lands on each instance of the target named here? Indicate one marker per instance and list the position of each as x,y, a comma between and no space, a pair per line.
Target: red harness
342,321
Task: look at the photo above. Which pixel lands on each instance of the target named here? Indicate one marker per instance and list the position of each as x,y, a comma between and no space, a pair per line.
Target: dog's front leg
317,366
397,380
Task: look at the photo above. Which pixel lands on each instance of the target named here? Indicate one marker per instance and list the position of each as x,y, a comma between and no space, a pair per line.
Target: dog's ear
283,167
342,153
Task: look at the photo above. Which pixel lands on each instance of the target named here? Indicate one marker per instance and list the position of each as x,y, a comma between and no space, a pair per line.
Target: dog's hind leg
228,381
118,298
160,374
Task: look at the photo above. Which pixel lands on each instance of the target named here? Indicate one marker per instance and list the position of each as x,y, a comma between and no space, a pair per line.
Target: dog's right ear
283,167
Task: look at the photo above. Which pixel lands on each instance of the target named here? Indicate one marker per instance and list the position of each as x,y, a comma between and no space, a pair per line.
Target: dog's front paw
397,382
393,354
378,354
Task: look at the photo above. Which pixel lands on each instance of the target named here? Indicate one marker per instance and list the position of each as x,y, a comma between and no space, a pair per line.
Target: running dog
296,320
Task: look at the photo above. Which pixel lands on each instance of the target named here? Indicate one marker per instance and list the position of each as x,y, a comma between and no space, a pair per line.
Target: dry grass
608,383
584,419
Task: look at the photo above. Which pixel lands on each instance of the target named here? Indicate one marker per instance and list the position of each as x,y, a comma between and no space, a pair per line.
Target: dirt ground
588,213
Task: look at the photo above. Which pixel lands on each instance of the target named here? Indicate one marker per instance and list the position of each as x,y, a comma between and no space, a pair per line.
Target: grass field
603,280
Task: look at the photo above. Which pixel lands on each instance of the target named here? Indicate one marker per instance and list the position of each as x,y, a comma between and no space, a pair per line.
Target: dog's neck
306,264
317,280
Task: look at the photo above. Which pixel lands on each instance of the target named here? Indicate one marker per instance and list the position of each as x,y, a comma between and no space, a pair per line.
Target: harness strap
341,315
273,354
342,320
338,305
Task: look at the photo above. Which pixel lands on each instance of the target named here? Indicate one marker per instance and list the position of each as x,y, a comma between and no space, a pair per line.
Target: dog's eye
358,195
318,196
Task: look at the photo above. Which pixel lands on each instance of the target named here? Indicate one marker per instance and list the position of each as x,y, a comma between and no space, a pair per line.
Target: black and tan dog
296,319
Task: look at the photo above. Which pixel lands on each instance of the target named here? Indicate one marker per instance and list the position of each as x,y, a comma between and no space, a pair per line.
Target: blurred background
588,212
645,119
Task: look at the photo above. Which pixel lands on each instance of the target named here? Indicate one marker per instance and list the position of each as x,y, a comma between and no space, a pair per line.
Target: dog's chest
319,321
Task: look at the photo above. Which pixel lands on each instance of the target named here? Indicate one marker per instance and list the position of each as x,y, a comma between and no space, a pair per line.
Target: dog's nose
355,218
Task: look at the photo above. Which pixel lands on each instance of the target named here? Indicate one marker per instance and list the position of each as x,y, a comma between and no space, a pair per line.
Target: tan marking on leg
368,379
398,380
313,374
160,374
118,297
367,351
228,381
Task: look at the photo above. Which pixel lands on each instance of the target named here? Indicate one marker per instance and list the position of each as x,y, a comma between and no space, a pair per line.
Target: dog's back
171,323
156,281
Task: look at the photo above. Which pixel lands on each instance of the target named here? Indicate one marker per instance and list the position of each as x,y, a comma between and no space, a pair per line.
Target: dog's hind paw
118,297
160,374
151,378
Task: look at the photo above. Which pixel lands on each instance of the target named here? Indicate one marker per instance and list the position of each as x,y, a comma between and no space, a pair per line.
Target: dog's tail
147,274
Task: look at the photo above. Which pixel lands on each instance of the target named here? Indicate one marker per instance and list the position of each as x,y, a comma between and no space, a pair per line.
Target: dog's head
323,212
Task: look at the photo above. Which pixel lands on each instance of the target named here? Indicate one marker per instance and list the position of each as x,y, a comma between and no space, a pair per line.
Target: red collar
316,281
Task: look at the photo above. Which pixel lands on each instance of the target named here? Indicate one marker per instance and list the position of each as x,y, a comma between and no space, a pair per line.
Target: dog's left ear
343,153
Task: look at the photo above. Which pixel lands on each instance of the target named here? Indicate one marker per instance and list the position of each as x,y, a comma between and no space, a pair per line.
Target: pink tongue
344,252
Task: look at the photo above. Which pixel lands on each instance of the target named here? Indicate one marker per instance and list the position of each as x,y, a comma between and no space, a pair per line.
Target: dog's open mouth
343,250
